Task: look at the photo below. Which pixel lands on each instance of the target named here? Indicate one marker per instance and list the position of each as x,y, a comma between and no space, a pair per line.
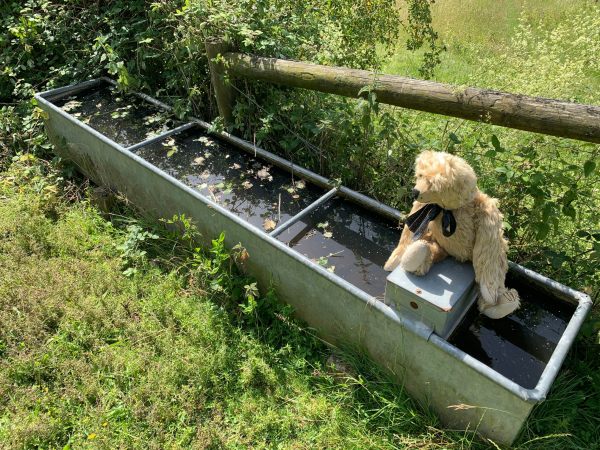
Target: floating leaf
170,142
71,105
269,224
198,161
171,152
206,141
322,261
323,225
246,184
264,174
331,269
235,166
300,184
328,234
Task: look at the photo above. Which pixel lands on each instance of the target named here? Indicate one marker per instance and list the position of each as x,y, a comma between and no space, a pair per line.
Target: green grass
484,40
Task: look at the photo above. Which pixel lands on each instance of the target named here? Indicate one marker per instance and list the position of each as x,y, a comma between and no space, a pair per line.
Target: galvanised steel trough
323,247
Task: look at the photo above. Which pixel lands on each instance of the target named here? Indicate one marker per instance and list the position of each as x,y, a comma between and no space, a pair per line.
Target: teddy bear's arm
489,252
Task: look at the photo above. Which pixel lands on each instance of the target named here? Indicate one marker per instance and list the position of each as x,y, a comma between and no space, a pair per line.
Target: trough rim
533,395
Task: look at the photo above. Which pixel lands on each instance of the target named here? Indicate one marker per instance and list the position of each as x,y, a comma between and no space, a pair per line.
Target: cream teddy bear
451,216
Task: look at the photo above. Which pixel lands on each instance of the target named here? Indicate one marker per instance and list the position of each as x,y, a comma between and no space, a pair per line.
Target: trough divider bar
161,136
142,96
539,115
310,208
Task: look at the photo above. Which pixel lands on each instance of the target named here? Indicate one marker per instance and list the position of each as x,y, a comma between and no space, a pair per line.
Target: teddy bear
451,216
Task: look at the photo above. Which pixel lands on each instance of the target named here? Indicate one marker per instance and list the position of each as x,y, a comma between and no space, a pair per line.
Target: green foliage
132,251
421,31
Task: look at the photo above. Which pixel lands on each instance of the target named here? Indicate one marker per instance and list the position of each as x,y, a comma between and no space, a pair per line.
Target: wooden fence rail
540,115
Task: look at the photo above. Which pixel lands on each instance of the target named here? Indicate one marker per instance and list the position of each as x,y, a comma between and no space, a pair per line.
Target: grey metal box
440,299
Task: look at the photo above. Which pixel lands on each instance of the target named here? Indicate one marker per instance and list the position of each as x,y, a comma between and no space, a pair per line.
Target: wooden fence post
221,86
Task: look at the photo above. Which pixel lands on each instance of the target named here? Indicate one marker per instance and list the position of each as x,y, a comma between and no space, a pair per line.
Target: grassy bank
501,45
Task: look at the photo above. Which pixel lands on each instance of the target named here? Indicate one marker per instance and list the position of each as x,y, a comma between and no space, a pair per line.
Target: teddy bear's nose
415,193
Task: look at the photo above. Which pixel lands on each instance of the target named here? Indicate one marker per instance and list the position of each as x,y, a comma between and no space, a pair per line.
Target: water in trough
126,119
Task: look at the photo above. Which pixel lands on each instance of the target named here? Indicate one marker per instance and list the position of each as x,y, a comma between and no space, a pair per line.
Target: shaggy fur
451,183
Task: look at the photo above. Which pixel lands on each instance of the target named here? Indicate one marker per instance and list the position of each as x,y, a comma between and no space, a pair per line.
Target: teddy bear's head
444,179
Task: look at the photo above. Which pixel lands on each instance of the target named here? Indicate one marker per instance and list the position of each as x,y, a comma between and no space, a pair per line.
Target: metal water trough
325,256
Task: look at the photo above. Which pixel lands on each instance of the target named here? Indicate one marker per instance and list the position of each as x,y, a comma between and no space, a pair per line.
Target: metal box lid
440,298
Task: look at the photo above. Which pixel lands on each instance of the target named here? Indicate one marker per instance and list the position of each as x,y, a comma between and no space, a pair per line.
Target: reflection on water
256,191
348,240
125,119
519,345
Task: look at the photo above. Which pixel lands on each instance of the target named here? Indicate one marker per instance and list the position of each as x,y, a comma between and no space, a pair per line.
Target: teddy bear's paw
508,302
417,258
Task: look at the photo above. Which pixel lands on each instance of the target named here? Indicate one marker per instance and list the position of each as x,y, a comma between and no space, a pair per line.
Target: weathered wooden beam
222,88
540,115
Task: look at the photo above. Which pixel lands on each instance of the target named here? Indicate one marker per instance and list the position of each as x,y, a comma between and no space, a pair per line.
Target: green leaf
569,211
454,138
496,143
589,167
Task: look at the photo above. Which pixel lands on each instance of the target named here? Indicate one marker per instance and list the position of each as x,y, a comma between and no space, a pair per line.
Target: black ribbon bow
417,222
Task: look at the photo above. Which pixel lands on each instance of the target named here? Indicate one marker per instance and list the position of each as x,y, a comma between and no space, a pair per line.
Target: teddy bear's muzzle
415,194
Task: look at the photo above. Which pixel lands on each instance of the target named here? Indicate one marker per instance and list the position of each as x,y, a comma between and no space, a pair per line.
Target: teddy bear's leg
417,258
405,240
507,303
420,255
394,259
